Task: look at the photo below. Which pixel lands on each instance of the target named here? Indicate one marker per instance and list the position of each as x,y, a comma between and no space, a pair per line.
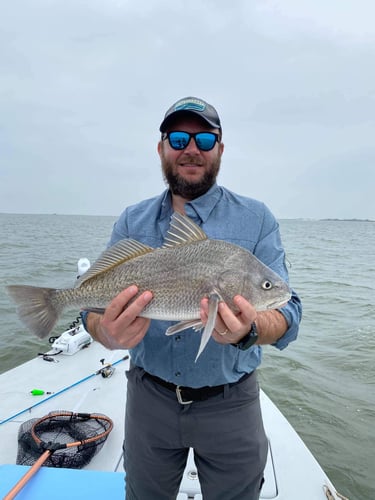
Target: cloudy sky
84,85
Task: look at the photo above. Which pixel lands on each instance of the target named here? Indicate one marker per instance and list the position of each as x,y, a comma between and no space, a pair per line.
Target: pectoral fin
213,304
196,324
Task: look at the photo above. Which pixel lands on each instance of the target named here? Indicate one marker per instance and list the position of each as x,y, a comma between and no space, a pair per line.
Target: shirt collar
200,208
166,205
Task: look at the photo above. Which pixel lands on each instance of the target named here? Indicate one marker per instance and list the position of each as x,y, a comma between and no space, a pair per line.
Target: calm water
324,383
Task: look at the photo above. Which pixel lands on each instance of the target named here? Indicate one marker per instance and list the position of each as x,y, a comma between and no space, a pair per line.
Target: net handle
37,465
27,476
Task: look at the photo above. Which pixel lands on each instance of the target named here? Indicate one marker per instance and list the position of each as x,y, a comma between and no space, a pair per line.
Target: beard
189,189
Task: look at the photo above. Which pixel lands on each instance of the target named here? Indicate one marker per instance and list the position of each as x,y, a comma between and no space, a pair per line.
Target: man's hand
120,327
230,327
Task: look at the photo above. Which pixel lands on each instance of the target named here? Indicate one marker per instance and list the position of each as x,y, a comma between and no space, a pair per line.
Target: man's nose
192,147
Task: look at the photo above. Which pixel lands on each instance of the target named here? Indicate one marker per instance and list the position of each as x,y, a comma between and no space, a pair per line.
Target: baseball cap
192,105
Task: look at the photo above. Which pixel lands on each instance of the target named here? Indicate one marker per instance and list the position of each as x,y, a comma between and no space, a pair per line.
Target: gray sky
84,85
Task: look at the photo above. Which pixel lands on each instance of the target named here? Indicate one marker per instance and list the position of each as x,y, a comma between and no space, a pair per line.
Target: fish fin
213,305
119,253
36,307
182,230
196,324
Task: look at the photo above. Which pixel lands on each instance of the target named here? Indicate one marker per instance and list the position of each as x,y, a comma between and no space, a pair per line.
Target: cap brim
170,118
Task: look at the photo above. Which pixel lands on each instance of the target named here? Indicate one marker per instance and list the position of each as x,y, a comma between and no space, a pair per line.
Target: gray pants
225,431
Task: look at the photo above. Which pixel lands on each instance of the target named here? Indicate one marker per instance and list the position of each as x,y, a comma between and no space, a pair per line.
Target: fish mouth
279,303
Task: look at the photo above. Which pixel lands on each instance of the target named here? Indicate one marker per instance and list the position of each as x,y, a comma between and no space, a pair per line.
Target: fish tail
37,307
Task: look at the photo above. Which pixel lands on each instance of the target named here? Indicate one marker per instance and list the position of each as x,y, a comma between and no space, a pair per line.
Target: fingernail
147,296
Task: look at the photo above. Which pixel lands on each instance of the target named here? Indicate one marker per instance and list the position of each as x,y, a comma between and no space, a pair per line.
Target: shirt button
177,338
177,374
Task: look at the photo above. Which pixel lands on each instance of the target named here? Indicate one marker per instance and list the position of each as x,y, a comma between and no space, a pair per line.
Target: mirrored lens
179,140
205,140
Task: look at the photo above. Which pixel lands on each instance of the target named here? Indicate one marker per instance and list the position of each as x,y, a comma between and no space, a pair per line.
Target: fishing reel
107,370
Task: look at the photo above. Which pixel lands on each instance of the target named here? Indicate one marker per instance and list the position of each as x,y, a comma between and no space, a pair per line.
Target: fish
186,268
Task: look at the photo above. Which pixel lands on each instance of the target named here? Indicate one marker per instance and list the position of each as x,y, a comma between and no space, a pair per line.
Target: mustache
191,160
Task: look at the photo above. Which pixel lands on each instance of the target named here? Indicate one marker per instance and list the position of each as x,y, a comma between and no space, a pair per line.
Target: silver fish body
188,267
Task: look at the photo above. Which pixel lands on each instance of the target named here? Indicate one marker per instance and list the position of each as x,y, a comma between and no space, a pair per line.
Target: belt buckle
179,396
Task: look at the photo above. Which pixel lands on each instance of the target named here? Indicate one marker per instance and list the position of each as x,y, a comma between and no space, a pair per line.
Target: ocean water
324,383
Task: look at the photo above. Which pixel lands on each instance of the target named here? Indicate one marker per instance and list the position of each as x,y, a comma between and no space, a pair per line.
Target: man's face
190,172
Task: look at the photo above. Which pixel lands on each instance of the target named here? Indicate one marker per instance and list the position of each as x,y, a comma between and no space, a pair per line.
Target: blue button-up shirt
222,215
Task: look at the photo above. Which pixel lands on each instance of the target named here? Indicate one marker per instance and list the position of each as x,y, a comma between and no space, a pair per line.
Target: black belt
187,395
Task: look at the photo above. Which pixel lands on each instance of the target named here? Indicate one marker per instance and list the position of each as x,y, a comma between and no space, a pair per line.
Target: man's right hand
120,327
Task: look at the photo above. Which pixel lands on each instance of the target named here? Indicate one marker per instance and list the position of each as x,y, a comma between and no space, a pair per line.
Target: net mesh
61,428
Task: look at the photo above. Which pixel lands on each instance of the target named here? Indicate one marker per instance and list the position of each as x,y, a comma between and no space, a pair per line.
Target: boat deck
75,386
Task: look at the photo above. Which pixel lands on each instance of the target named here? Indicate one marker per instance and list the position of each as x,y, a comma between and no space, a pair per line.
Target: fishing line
100,371
106,371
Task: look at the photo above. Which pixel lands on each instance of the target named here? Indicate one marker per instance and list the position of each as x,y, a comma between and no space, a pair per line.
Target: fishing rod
102,371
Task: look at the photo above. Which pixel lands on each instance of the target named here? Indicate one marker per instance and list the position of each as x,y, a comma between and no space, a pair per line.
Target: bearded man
174,403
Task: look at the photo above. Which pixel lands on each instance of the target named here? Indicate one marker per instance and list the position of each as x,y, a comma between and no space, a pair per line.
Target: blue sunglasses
179,140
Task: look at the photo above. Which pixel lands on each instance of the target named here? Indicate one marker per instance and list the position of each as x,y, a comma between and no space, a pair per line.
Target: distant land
331,219
349,220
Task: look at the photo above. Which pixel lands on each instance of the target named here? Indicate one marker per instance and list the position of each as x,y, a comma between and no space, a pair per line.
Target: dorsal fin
182,230
117,254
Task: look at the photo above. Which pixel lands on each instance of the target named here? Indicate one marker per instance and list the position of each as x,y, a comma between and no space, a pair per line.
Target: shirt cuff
84,315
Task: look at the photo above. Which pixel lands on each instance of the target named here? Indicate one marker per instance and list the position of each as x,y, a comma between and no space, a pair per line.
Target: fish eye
267,285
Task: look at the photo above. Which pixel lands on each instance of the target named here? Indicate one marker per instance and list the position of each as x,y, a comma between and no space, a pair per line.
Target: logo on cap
190,104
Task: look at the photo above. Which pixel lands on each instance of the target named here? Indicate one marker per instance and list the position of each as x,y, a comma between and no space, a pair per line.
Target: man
173,402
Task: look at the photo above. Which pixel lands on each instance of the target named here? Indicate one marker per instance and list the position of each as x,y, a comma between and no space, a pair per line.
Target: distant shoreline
348,220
